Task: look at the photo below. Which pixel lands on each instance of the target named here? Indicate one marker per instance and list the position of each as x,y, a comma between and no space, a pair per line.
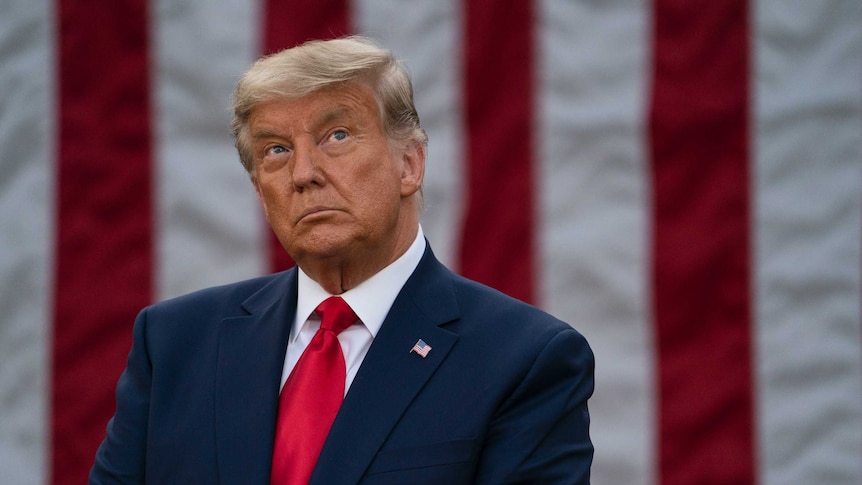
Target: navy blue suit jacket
500,398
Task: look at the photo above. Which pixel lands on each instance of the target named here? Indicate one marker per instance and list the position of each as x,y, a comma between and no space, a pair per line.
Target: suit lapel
390,376
250,360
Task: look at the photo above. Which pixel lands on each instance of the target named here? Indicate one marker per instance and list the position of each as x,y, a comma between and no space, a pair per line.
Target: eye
338,135
276,150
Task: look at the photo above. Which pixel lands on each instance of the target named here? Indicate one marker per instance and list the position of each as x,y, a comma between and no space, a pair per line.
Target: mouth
315,212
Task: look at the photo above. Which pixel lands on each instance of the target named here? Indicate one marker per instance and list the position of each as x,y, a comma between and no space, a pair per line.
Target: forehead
354,102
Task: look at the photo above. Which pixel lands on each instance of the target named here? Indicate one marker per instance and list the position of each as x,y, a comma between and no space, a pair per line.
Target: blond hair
314,65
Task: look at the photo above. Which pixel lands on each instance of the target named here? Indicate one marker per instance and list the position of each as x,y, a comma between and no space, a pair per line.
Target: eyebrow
331,115
327,117
266,133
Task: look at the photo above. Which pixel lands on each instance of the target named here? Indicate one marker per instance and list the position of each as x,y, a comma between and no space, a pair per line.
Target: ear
412,168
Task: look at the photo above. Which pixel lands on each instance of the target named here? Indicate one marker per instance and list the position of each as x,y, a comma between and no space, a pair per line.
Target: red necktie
311,397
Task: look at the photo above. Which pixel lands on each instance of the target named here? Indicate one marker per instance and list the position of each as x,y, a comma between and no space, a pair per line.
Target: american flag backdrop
679,180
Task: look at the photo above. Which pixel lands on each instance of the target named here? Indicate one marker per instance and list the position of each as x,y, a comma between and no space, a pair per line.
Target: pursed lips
311,211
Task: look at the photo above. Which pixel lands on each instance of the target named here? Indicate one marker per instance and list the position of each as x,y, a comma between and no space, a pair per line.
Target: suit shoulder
498,312
222,299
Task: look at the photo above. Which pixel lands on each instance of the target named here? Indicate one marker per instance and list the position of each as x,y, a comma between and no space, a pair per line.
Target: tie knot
335,314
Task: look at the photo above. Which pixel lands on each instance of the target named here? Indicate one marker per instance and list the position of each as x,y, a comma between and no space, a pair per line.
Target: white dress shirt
370,301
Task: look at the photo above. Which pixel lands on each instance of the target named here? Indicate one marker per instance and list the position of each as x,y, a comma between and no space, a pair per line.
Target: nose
306,167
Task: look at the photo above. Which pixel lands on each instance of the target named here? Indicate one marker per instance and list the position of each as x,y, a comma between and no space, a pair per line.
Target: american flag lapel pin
421,348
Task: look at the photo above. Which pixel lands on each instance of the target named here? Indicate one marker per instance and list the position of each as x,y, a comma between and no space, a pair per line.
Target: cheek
384,194
272,193
383,179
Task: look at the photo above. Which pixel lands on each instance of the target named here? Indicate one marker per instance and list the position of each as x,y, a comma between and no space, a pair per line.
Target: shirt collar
371,300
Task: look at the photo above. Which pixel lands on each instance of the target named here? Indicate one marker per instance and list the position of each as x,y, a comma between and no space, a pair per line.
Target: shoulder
186,325
476,299
203,309
475,309
513,325
222,299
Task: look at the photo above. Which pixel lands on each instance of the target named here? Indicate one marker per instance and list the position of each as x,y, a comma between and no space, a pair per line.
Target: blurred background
678,180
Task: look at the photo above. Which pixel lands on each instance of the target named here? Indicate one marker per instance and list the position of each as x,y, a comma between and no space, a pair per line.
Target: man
443,380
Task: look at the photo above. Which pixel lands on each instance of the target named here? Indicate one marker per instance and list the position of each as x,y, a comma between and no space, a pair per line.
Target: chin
319,247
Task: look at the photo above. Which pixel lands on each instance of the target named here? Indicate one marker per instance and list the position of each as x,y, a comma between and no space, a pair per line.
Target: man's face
331,184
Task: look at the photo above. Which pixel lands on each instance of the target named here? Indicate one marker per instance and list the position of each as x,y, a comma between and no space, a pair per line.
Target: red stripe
104,248
700,154
497,244
287,24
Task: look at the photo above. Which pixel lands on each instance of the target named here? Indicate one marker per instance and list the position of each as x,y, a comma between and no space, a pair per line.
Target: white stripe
210,228
429,41
27,177
593,73
807,152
